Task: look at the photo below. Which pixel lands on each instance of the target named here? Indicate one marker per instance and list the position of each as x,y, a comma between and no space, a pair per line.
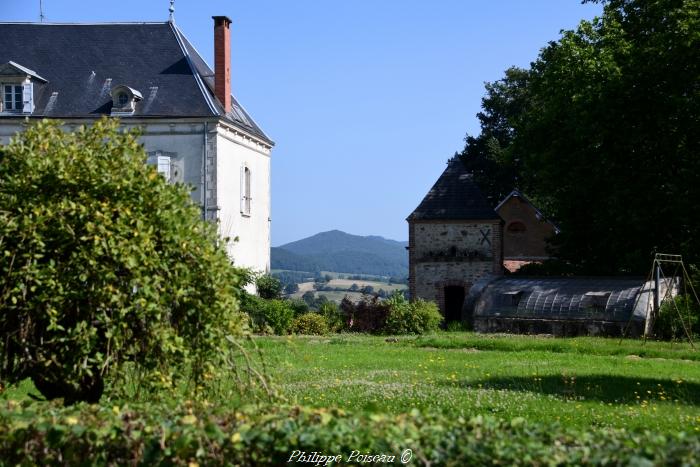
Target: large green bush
102,263
310,324
268,315
416,317
269,436
334,316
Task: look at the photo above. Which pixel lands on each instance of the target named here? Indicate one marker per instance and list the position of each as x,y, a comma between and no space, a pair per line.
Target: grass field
347,283
337,296
578,382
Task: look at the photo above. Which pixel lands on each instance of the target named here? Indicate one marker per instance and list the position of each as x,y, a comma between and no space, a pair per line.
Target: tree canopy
102,264
601,131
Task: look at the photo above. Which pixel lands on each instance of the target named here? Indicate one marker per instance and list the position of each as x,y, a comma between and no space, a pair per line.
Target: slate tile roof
454,196
82,62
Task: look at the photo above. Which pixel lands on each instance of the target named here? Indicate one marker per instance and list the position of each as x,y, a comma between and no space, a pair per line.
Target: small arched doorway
454,301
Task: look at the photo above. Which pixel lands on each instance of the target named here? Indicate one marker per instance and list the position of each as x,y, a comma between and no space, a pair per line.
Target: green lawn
579,382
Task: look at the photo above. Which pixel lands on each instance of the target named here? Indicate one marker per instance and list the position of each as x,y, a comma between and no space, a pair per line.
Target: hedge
158,435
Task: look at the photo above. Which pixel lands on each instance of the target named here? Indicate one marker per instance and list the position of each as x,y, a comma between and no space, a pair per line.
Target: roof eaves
258,128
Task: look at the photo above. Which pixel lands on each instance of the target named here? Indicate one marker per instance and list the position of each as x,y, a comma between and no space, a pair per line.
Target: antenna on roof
172,11
41,11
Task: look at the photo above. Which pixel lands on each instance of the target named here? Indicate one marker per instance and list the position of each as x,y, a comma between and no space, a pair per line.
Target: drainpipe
204,171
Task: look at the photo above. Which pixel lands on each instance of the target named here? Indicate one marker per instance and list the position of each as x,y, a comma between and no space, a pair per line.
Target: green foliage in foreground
102,263
156,435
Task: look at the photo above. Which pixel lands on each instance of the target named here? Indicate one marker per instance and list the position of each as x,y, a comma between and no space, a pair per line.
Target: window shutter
27,97
248,197
242,185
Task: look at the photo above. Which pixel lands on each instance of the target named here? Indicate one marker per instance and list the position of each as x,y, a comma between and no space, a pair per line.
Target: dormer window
124,100
17,88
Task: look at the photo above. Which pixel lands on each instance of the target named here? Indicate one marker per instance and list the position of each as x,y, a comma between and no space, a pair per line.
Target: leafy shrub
268,436
334,316
275,315
103,263
268,287
676,316
310,324
299,306
456,326
415,317
367,315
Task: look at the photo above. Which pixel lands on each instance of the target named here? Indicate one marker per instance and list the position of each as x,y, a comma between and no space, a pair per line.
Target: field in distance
336,289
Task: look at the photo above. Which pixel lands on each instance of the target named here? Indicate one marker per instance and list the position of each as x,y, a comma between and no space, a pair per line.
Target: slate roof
454,196
83,62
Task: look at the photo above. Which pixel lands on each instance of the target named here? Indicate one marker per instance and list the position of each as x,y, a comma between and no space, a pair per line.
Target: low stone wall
559,328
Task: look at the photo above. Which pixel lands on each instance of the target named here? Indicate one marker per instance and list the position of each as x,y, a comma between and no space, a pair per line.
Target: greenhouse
561,306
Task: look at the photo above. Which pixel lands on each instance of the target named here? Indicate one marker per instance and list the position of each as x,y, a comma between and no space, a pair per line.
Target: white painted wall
235,150
227,152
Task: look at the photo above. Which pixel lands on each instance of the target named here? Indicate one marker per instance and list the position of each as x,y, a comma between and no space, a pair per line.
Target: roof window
124,100
17,88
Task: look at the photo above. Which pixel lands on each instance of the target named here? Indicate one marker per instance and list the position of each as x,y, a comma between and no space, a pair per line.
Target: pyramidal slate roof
81,63
454,196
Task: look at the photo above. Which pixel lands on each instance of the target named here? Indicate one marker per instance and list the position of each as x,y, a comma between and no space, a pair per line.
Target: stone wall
559,327
451,253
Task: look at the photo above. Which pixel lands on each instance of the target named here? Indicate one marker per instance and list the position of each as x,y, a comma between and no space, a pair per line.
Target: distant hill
342,252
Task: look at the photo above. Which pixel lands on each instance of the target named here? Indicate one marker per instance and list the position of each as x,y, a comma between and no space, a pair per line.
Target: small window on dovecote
516,228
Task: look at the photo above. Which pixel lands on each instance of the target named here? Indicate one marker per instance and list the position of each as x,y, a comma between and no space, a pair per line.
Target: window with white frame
163,163
246,198
12,97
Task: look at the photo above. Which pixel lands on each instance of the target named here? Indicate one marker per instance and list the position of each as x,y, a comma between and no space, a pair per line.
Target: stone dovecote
455,238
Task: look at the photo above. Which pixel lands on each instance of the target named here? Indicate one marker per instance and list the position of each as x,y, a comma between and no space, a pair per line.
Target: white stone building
151,77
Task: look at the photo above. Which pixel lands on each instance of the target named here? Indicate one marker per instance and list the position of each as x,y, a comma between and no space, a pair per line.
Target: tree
102,262
602,132
291,288
368,289
268,287
310,298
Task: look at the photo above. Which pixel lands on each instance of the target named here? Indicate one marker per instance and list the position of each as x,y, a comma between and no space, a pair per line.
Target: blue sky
366,100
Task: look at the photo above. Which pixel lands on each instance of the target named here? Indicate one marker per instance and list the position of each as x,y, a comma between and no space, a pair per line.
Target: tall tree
603,132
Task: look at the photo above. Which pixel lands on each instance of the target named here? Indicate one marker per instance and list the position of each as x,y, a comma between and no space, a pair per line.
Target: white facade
218,186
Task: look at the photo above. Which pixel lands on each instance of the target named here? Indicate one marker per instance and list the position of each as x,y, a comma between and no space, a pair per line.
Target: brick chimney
222,61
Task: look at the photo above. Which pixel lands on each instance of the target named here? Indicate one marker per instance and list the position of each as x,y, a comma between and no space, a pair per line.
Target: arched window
246,197
516,228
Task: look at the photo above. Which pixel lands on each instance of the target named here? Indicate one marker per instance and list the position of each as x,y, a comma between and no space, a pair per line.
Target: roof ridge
97,23
195,73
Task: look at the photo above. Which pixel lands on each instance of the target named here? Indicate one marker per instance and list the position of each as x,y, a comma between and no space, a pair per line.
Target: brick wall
530,244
